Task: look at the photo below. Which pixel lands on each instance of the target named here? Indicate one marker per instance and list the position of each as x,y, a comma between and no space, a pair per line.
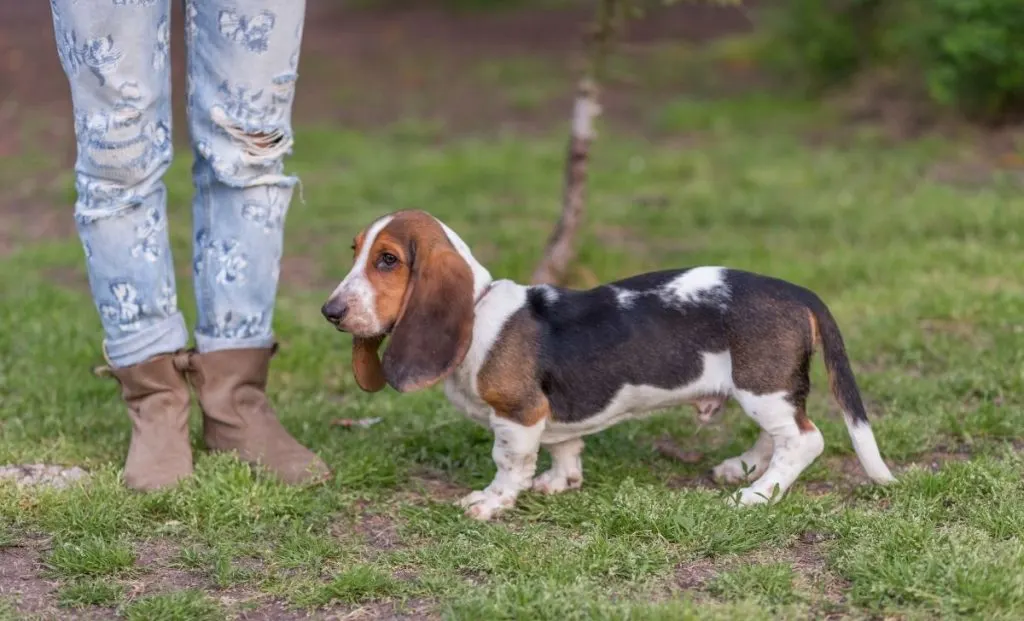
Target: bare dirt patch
805,556
162,573
21,581
697,575
433,487
157,559
703,482
379,531
937,459
277,611
811,568
417,610
667,447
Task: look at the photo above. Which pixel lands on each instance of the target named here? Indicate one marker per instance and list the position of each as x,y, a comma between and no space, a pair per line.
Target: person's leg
242,64
116,60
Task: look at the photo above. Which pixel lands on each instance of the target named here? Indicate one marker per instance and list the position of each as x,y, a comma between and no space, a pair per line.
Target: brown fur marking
507,380
389,287
366,363
779,357
815,333
771,359
802,421
425,301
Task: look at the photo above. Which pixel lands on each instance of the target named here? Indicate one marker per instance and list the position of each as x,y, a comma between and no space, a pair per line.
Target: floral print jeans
241,71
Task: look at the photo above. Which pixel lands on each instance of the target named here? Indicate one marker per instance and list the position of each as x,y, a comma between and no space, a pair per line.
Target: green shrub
823,42
971,53
966,54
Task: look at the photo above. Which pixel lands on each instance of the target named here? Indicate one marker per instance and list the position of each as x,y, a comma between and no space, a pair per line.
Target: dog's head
413,281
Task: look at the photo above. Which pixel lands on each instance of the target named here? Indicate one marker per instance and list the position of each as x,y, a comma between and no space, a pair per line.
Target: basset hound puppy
546,366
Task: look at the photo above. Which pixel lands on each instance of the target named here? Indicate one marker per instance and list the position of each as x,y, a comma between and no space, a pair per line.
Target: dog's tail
847,394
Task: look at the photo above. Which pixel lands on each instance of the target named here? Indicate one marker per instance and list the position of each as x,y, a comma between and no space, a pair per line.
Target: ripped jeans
241,72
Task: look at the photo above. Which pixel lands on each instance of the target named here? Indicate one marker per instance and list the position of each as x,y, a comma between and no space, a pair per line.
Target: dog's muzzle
334,312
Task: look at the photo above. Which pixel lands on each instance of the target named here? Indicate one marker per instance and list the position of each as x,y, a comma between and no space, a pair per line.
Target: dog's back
656,330
698,335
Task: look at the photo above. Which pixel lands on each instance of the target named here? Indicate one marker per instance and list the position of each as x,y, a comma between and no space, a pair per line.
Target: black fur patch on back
591,344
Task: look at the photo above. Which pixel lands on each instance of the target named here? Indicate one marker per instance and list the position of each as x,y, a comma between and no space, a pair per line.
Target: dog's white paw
749,497
485,505
471,499
733,470
552,482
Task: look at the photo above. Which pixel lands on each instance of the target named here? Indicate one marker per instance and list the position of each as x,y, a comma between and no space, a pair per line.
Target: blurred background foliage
963,56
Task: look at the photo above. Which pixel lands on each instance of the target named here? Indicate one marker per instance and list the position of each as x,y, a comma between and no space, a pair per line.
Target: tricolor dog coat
546,366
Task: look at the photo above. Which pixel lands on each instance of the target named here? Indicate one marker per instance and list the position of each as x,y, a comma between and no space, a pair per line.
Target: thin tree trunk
561,248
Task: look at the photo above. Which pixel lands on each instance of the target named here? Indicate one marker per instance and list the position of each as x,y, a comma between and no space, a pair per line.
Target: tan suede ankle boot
237,416
158,398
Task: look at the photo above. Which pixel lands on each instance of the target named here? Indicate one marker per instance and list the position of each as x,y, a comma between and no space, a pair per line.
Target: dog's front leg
566,468
515,454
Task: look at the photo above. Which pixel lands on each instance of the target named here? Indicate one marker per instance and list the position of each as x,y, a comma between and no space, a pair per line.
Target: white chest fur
501,302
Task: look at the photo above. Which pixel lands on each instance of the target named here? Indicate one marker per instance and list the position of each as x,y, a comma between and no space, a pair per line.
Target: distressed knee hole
266,141
260,146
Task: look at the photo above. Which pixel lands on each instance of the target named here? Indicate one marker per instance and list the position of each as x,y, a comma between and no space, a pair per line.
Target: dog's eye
387,260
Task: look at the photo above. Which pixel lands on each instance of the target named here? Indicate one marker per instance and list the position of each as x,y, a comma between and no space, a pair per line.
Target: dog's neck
481,276
483,293
482,281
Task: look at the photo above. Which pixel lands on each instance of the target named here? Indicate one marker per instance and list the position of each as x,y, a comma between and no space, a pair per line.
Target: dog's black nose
334,311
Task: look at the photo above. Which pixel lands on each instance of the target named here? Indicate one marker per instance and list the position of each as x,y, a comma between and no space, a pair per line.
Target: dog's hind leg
566,468
796,443
750,465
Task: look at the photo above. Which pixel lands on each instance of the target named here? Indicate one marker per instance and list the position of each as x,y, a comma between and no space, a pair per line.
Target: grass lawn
923,275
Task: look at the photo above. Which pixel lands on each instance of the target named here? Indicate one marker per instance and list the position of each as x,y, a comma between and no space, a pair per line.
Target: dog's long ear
435,326
366,364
